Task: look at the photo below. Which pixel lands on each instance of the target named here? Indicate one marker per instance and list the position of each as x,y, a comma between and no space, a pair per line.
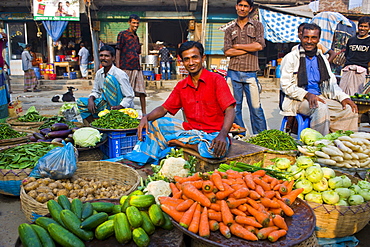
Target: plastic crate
119,143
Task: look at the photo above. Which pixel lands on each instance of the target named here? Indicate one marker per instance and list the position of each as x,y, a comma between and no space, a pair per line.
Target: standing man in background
128,51
30,79
165,58
243,39
83,60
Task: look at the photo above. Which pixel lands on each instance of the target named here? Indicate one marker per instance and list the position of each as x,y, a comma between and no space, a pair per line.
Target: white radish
337,158
347,156
360,135
345,138
326,161
354,156
305,151
348,144
322,155
341,146
326,142
331,151
362,156
347,166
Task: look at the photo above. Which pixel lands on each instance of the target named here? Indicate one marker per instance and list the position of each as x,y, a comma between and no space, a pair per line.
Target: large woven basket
13,121
11,179
339,221
103,170
12,141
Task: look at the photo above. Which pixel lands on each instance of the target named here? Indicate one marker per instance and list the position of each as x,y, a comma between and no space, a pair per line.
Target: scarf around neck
302,72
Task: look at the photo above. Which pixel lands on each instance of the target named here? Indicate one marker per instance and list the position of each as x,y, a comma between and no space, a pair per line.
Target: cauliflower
157,189
174,167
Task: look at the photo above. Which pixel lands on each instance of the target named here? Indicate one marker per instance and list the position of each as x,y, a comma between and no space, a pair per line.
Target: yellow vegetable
131,112
102,113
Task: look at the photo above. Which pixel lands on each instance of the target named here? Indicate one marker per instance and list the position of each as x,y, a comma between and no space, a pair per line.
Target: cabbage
355,200
364,184
343,193
355,188
365,194
305,184
342,203
304,162
309,136
314,174
296,171
314,196
282,163
328,172
330,197
322,185
336,182
86,137
346,181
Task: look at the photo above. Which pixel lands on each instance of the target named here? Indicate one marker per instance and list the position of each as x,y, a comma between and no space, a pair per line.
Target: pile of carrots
247,205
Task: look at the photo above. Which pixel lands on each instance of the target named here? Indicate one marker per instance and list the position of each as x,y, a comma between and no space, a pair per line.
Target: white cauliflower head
174,167
157,189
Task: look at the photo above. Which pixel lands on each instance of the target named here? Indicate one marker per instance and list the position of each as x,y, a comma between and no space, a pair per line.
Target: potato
90,190
32,194
73,195
76,186
42,198
68,186
46,181
52,185
43,189
82,193
28,180
63,192
50,196
55,191
31,186
59,184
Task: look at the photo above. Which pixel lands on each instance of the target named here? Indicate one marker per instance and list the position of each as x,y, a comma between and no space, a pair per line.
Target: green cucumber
156,215
105,230
103,206
44,222
134,216
87,210
111,217
140,237
64,202
43,235
126,203
55,209
64,237
122,228
73,223
142,201
147,225
116,209
76,207
167,222
94,220
28,236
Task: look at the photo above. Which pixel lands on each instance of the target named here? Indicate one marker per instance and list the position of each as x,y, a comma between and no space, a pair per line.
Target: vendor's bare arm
350,103
118,55
252,47
219,143
313,100
91,104
158,112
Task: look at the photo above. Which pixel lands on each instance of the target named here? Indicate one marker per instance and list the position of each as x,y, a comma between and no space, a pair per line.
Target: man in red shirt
208,106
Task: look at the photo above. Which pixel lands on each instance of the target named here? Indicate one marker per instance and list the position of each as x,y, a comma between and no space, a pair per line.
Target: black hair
302,25
28,45
190,44
312,26
108,48
250,2
133,17
364,19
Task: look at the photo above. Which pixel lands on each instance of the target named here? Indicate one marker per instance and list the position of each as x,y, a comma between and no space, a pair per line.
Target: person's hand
91,106
219,145
313,100
117,107
143,125
350,103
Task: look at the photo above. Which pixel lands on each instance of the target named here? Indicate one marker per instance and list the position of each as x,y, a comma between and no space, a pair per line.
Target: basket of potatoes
92,180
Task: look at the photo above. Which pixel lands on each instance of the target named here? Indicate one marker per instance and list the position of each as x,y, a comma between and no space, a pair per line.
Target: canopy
55,28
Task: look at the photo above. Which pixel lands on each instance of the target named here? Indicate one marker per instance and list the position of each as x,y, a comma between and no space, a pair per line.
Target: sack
71,114
59,163
15,108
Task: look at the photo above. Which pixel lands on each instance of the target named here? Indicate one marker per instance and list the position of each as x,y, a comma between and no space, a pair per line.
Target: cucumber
122,228
94,220
140,237
105,230
55,209
126,203
28,236
64,202
44,222
156,215
103,206
111,217
76,207
137,192
64,237
87,210
147,225
116,209
167,222
43,235
134,216
142,201
73,225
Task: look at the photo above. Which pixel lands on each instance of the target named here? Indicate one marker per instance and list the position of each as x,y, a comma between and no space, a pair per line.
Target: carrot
241,193
267,179
290,198
254,204
283,190
252,229
275,235
265,186
234,203
260,190
198,183
234,175
273,183
268,203
211,196
261,217
222,174
271,223
204,230
269,194
248,179
185,205
194,225
171,211
288,211
277,187
236,211
174,189
191,192
206,176
223,194
276,211
213,215
227,216
290,186
260,173
225,230
178,179
250,221
241,232
254,195
277,195
194,177
178,185
217,181
188,216
213,225
227,181
280,222
240,181
237,186
207,186
164,199
242,208
215,206
264,232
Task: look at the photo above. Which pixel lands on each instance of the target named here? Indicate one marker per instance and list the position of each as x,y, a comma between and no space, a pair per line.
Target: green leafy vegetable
275,140
116,120
86,137
6,132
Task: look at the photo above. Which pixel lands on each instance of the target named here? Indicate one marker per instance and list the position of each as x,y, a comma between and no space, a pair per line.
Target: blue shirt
313,75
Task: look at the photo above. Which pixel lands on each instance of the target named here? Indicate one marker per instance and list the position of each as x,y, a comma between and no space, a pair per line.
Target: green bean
275,140
6,132
116,120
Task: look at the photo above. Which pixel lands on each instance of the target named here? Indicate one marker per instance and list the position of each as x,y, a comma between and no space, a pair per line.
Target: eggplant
59,133
58,140
74,129
59,126
39,136
41,140
45,131
68,139
33,139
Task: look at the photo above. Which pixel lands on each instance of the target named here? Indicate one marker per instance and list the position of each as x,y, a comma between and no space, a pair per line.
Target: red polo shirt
204,105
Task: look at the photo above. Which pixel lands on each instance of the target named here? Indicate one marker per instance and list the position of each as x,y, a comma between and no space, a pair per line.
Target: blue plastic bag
59,163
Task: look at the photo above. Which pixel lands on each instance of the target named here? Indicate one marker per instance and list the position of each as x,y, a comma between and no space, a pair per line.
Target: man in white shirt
83,60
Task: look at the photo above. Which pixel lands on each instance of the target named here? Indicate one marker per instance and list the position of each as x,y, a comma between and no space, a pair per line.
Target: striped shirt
251,32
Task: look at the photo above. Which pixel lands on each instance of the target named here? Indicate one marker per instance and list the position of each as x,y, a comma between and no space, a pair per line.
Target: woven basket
272,154
340,221
12,141
13,121
92,169
11,179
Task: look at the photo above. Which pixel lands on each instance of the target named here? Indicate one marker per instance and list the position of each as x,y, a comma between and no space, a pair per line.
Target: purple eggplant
33,139
59,133
58,140
59,126
45,131
39,136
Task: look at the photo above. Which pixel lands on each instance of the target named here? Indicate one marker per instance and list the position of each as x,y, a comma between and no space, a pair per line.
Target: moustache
105,61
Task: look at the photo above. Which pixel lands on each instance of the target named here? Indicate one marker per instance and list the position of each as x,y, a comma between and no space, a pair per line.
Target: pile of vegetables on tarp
117,119
6,132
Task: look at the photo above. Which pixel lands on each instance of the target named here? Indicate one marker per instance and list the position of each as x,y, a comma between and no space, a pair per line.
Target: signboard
56,10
